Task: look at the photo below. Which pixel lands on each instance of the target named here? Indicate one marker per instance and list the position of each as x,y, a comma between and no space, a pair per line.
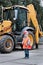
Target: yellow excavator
13,22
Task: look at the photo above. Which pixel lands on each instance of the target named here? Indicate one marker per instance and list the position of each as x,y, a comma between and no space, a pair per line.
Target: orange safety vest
25,43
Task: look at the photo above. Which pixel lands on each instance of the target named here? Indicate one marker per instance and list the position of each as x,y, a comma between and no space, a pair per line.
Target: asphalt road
17,57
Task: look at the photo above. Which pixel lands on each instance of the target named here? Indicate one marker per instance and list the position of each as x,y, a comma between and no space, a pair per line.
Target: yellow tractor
18,19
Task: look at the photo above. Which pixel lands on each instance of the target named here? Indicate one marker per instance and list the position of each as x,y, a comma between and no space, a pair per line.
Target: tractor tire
31,36
6,44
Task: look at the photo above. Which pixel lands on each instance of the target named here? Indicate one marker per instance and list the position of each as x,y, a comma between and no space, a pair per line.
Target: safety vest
26,43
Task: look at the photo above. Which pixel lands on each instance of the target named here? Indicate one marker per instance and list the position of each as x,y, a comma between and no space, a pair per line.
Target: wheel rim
8,44
31,39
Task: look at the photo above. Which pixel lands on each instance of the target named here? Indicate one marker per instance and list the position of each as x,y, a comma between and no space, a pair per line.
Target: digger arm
32,16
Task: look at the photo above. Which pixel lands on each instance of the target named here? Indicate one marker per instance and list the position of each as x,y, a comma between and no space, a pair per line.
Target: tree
5,3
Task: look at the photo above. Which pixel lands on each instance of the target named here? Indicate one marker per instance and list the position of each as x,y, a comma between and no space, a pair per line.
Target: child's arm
28,42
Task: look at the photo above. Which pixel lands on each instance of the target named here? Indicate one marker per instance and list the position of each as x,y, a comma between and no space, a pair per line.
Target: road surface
17,58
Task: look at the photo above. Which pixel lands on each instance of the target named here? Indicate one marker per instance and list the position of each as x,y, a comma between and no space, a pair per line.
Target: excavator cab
20,18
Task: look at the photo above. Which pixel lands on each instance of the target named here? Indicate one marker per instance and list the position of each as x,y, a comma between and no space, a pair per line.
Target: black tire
6,44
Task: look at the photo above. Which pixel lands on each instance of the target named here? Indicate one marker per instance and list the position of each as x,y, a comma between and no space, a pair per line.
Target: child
26,44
